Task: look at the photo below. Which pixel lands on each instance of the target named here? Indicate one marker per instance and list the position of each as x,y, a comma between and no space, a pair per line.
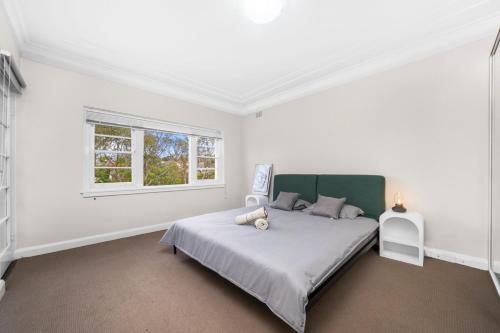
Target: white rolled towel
252,216
261,224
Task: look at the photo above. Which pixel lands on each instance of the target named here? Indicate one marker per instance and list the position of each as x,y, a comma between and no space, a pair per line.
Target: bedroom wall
423,126
7,38
49,139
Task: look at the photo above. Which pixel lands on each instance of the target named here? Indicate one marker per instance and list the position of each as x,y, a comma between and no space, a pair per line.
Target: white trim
83,241
454,257
289,87
457,258
136,185
161,85
2,289
495,281
148,189
322,79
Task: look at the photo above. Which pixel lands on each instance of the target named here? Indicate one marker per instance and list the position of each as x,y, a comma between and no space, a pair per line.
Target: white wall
49,139
423,126
7,39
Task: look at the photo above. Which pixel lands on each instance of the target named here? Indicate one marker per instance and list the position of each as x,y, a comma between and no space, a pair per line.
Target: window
113,154
206,158
127,154
166,158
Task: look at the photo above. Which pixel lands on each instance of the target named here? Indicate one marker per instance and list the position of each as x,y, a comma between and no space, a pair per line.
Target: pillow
301,204
350,212
328,206
309,209
285,200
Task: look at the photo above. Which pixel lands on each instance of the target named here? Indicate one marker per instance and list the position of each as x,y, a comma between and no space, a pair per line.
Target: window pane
113,175
166,158
113,130
3,203
107,143
206,162
205,174
206,146
113,160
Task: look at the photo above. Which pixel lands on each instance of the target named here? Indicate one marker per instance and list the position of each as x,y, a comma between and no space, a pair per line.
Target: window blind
105,117
10,77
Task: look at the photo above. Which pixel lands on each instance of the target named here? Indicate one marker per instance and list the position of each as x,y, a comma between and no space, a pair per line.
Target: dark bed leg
175,250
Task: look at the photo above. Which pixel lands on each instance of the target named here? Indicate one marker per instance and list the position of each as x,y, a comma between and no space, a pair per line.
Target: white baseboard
454,257
457,258
78,242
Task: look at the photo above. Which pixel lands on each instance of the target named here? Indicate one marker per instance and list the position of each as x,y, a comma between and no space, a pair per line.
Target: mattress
280,266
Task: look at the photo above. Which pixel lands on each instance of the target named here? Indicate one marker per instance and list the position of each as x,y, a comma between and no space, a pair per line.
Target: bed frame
364,191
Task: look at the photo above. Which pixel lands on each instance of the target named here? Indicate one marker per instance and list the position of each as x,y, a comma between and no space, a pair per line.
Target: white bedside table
402,237
256,200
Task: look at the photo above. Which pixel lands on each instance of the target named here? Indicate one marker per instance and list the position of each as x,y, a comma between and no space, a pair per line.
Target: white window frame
92,189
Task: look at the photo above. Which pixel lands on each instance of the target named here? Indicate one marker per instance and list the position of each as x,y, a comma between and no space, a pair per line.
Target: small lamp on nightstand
398,201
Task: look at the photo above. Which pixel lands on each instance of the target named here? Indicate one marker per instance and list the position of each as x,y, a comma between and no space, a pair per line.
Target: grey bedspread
279,266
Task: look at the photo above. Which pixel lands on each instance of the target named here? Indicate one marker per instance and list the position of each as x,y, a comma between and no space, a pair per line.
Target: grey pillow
301,204
309,209
328,206
285,200
350,212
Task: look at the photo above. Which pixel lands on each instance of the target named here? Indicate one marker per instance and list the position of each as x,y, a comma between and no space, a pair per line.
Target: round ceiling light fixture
263,11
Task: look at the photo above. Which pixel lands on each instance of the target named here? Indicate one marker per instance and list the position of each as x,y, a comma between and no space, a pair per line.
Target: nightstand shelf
401,241
402,237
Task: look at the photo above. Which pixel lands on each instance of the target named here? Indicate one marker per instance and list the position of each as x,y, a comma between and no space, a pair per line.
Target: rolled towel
252,216
261,224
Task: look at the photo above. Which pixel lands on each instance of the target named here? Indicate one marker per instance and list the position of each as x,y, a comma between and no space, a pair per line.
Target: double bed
289,265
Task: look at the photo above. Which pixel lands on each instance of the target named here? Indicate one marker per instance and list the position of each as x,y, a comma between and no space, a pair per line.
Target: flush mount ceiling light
263,11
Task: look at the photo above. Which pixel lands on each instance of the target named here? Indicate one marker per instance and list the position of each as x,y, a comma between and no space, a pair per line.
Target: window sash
137,163
113,136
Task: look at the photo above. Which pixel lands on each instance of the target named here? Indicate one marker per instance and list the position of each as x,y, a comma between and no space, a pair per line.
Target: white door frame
7,254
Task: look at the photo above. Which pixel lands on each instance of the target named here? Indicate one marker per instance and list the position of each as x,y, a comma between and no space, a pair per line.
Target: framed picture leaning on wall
262,179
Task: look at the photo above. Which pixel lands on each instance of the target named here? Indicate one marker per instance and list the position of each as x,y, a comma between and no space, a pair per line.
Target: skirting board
457,258
78,242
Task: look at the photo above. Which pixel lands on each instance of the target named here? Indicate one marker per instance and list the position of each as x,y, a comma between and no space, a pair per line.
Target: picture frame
262,179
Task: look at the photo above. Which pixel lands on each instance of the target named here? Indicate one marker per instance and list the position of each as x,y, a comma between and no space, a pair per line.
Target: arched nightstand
402,237
256,200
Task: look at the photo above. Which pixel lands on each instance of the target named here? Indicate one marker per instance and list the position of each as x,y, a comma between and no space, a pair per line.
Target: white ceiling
209,53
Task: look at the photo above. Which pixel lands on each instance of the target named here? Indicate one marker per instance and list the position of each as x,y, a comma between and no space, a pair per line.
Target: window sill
153,189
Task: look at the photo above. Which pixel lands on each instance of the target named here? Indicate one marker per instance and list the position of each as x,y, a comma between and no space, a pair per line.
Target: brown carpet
136,285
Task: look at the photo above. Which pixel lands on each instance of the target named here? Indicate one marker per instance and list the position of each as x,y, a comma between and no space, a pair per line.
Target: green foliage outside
113,130
105,160
206,158
166,158
113,175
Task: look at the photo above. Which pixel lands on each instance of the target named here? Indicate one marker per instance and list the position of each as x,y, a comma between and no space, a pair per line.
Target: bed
290,265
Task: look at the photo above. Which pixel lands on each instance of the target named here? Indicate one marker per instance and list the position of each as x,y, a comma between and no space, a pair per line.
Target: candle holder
398,203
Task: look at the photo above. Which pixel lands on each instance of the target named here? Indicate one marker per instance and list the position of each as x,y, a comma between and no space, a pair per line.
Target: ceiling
208,52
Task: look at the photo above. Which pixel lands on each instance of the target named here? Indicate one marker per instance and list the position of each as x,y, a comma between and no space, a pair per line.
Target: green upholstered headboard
303,184
364,191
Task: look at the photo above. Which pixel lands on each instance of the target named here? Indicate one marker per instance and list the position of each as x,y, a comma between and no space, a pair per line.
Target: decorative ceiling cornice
292,86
